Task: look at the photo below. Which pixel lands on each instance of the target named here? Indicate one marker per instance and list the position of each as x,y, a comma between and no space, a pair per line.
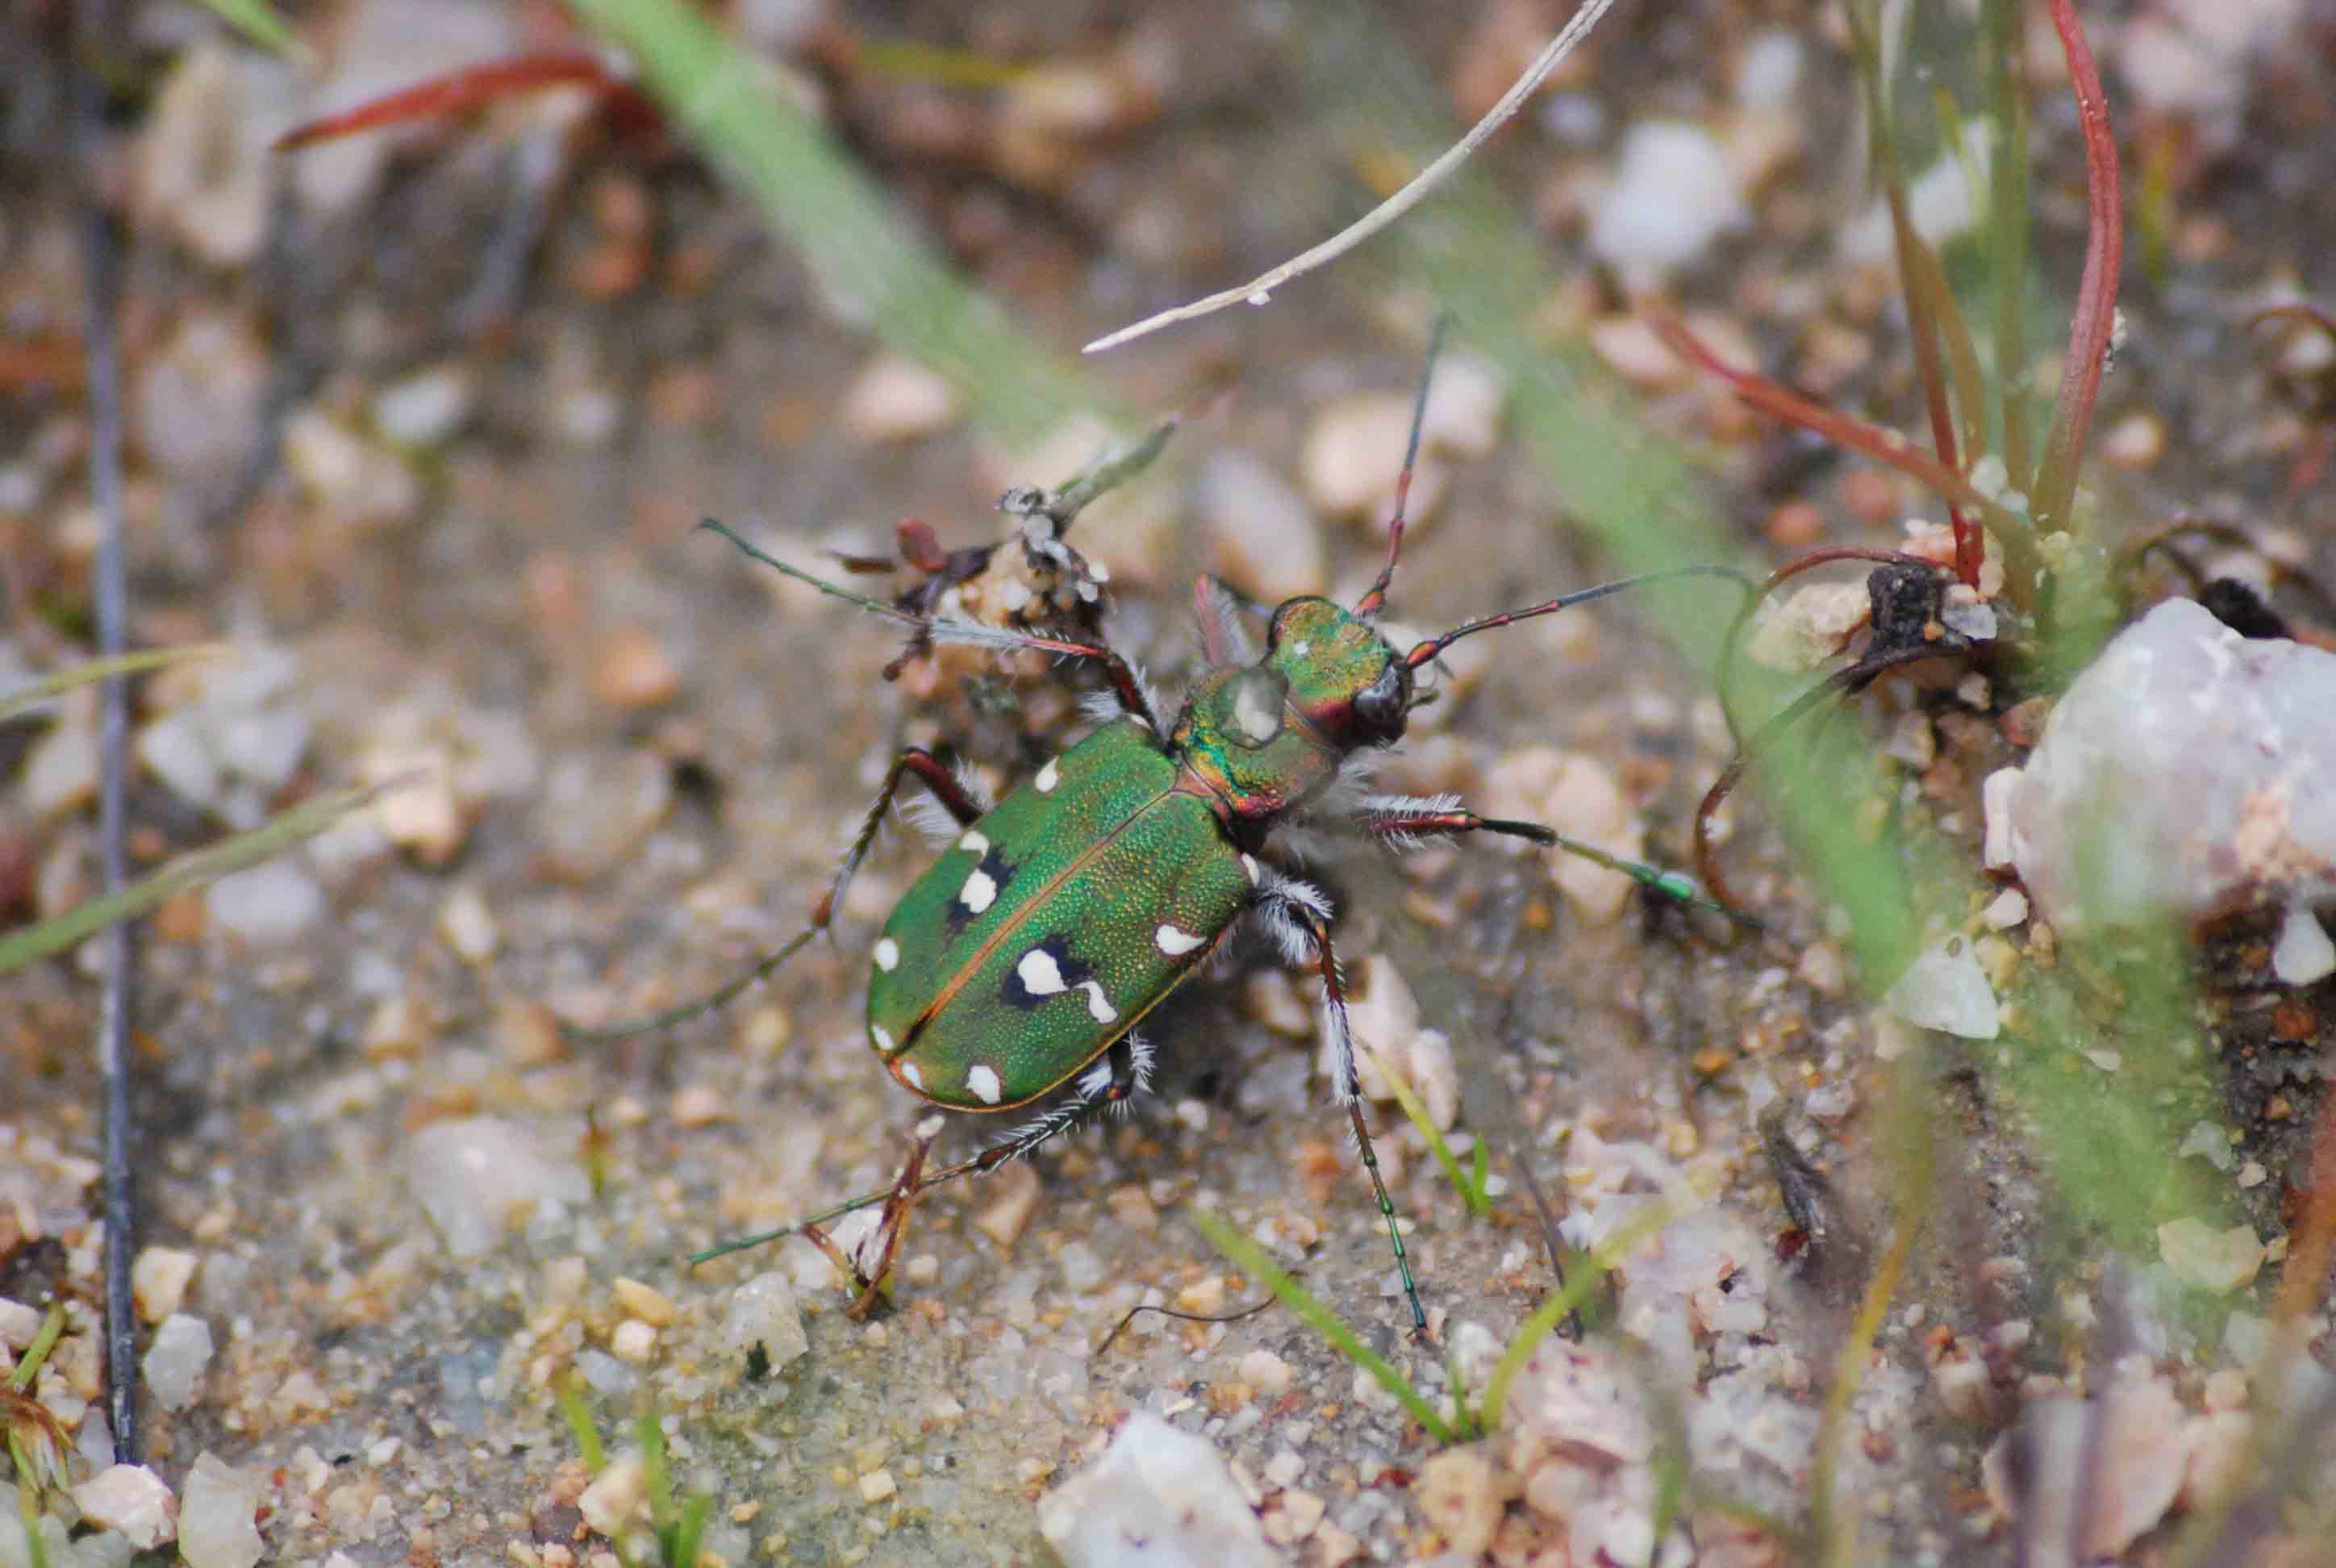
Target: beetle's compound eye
1380,706
1253,703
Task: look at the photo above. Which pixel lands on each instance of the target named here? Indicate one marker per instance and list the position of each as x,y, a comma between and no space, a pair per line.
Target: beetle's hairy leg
1299,916
1409,821
891,1227
1126,1073
929,770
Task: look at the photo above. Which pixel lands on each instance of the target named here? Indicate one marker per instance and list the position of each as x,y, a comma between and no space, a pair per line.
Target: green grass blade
98,670
578,1416
181,875
1551,1313
1472,1193
1251,1260
848,232
257,20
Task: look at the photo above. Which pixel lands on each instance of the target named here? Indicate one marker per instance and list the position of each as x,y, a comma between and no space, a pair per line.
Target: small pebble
61,771
2136,442
615,1495
895,399
1269,1374
634,671
467,926
356,481
1082,1267
596,809
473,1177
1165,1488
646,1302
2005,911
634,1342
2221,1261
132,1499
268,905
696,1106
1674,193
159,1280
424,408
2304,954
1460,1493
1945,989
1013,1199
525,1033
1353,452
216,1509
763,1311
1262,536
876,1486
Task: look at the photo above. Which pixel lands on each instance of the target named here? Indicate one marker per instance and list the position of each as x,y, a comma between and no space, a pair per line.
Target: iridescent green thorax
1267,736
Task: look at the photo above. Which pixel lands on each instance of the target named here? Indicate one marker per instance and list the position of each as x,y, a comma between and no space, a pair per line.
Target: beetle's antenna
833,590
1376,596
1436,644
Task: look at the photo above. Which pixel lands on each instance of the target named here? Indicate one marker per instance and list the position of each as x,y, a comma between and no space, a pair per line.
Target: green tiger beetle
1028,956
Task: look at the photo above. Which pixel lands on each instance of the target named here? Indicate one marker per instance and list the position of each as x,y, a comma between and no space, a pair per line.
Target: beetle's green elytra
1020,964
1051,926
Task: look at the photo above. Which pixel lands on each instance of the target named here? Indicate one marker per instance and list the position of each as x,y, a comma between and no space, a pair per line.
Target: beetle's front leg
1408,821
1404,822
1299,917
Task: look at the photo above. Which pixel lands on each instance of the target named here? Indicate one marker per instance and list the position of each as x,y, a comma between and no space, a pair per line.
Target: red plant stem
1780,401
2096,314
458,90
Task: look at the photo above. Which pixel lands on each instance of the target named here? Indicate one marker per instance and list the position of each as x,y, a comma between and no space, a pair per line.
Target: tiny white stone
887,955
1175,943
1099,1006
1048,777
883,1042
912,1076
978,892
1041,976
974,842
2303,954
983,1082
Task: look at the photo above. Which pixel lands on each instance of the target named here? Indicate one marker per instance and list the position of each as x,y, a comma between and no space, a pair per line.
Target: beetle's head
1343,676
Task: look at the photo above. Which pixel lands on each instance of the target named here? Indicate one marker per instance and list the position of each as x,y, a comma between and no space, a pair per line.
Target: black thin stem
101,255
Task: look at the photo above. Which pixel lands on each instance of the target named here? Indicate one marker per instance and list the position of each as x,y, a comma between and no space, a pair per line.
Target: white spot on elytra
974,842
1248,867
1048,777
978,892
912,1077
1175,943
1099,1006
888,954
1300,648
883,1042
1041,976
983,1082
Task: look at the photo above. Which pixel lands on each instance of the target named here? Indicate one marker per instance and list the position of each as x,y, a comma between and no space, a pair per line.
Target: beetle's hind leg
1299,917
1124,1073
954,795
